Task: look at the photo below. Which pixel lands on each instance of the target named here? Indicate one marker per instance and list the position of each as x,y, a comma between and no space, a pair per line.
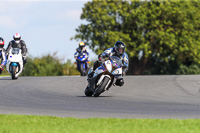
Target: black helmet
120,47
1,42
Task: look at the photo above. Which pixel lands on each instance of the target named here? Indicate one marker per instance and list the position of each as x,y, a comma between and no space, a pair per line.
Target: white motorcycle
15,62
104,76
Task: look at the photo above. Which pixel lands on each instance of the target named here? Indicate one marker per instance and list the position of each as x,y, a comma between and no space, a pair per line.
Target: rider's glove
1,67
101,59
24,57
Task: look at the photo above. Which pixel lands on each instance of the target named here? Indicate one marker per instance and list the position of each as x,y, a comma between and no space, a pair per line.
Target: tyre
13,72
88,92
101,87
83,73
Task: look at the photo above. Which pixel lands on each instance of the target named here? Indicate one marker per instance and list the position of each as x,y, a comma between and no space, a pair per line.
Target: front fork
93,83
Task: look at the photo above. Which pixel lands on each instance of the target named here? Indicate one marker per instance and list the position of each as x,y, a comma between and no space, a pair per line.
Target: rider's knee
95,63
119,82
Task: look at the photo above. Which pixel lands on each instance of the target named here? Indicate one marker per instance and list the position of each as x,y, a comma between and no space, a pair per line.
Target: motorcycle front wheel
83,71
101,87
14,72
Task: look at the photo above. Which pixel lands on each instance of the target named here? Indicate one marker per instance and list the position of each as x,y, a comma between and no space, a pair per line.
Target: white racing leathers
15,62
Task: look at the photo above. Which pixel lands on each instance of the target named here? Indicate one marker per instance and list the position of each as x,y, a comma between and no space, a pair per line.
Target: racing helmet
1,42
119,48
81,45
17,37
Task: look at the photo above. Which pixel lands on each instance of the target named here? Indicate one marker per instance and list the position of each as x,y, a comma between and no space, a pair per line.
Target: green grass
4,75
47,124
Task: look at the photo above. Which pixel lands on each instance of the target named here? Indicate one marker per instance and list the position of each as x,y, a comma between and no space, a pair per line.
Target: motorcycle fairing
108,65
117,72
99,70
15,59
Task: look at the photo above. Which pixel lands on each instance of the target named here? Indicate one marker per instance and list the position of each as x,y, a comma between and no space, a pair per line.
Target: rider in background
2,55
117,50
80,50
18,43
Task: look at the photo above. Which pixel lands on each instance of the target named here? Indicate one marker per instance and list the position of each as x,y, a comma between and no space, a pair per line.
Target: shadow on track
5,79
95,97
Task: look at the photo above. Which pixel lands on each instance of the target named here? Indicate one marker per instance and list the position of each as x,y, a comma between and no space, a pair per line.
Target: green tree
167,33
44,66
49,65
70,69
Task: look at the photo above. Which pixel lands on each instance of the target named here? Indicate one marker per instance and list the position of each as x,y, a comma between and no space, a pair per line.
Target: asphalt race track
140,97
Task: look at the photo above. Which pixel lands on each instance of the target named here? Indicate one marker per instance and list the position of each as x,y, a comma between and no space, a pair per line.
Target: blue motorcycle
82,63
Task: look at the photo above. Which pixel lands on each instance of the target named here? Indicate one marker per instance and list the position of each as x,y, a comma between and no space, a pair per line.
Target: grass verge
48,124
4,75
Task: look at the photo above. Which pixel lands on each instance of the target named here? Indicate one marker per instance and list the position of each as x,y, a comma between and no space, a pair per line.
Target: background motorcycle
104,76
82,63
15,63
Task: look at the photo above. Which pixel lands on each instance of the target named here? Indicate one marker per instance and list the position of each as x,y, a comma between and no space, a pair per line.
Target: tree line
51,65
161,37
47,65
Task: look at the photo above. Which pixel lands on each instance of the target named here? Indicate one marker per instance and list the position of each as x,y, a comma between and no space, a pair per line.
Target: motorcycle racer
2,55
117,50
18,43
81,50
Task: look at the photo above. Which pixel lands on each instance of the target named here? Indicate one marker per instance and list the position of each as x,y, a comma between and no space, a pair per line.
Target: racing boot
24,62
119,82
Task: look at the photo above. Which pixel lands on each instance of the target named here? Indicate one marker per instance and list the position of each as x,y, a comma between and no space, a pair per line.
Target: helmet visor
120,50
81,47
16,39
